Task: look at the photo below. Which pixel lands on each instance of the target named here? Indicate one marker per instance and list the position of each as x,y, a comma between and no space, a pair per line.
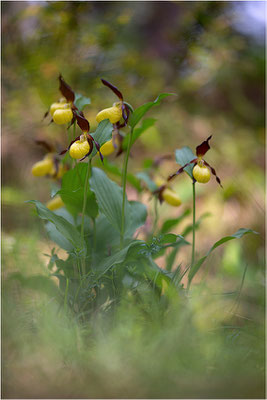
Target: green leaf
72,191
116,258
109,198
102,134
81,101
113,169
68,230
241,232
147,123
143,176
58,238
171,223
138,212
142,110
184,156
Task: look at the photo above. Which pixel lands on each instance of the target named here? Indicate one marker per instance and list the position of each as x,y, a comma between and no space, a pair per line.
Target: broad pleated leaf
102,134
72,191
109,198
139,112
81,101
68,230
147,123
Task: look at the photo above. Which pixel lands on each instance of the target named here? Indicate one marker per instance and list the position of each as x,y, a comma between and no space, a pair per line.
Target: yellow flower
55,203
167,194
62,116
57,106
171,197
79,148
43,167
201,173
107,148
114,114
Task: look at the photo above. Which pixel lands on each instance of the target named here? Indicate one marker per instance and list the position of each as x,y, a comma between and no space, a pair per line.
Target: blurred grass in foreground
208,346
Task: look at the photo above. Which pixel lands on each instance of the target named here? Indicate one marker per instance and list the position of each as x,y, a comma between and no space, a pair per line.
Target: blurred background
211,54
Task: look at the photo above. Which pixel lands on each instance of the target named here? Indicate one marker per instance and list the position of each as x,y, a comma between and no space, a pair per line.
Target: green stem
156,216
66,295
84,205
194,225
124,178
94,234
74,133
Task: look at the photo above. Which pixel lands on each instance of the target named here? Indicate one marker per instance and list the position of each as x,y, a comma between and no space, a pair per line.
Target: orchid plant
91,218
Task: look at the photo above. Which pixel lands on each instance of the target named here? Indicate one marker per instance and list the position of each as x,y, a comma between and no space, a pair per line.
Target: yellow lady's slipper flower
62,116
43,167
201,173
114,114
171,197
167,194
107,148
79,148
57,106
55,203
202,170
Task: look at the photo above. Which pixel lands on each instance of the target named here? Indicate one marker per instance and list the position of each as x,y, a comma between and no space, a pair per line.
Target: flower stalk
194,224
84,206
124,179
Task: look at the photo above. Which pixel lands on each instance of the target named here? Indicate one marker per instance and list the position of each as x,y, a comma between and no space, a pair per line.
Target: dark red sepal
45,114
66,90
158,192
113,88
98,149
46,145
82,122
65,151
182,169
214,173
202,149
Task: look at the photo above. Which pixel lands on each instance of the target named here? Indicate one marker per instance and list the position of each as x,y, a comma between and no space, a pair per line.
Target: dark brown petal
65,151
214,173
202,149
46,145
182,169
82,122
45,114
113,88
97,145
158,192
66,90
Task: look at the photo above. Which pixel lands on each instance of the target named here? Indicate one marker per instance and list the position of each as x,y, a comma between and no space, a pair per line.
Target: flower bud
43,167
62,116
55,203
107,148
201,173
114,114
171,197
79,149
